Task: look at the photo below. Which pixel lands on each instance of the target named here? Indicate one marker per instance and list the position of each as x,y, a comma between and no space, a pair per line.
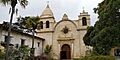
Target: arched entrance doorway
65,52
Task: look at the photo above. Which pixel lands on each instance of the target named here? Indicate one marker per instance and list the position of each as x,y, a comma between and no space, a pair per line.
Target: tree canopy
106,32
27,23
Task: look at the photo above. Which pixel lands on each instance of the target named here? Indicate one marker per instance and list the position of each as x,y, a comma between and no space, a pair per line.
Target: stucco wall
48,36
16,39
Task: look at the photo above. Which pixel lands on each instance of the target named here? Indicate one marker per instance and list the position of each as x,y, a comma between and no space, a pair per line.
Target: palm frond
23,3
16,11
4,2
9,10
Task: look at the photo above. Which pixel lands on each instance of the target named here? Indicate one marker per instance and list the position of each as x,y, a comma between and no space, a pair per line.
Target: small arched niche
84,21
47,24
41,25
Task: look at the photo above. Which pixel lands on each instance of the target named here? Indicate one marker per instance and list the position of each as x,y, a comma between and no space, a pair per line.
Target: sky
72,8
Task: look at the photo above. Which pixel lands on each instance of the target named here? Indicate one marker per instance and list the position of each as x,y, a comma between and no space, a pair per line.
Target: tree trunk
8,37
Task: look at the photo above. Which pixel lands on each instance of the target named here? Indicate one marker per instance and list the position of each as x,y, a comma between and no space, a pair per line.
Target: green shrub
98,58
76,59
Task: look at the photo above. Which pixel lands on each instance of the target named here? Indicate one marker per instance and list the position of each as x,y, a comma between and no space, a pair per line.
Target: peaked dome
47,12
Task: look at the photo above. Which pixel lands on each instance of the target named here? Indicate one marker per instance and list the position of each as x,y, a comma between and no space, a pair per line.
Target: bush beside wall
97,58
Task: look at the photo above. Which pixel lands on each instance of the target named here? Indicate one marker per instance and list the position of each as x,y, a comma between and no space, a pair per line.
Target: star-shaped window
65,30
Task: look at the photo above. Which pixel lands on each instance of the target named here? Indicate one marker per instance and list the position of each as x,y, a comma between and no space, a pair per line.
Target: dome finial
47,12
83,9
47,4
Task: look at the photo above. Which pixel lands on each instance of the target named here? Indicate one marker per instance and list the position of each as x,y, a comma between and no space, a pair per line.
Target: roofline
13,30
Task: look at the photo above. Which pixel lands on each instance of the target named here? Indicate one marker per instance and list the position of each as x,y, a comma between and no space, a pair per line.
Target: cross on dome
47,12
83,9
47,4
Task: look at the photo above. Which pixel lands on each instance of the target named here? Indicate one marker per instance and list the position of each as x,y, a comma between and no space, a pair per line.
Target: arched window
38,26
84,21
47,24
41,25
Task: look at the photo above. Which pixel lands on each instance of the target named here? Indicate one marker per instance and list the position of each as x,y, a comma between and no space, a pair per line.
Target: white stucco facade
18,36
65,33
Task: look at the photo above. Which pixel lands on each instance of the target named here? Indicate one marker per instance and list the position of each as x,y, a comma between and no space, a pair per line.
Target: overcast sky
71,7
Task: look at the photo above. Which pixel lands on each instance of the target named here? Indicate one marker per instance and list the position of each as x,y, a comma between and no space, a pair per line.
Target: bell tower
47,20
84,19
45,28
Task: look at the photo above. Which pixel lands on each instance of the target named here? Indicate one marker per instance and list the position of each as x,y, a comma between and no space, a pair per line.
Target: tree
48,49
2,52
13,4
19,53
16,53
87,38
23,52
105,34
47,53
30,24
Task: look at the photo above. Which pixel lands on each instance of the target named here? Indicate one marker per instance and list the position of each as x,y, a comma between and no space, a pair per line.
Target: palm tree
13,4
31,24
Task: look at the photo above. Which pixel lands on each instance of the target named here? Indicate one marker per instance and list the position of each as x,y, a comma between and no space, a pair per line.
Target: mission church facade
65,36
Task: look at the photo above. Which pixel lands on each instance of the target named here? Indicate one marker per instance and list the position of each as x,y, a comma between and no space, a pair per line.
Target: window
38,44
117,52
5,38
16,45
41,25
22,41
47,24
84,22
